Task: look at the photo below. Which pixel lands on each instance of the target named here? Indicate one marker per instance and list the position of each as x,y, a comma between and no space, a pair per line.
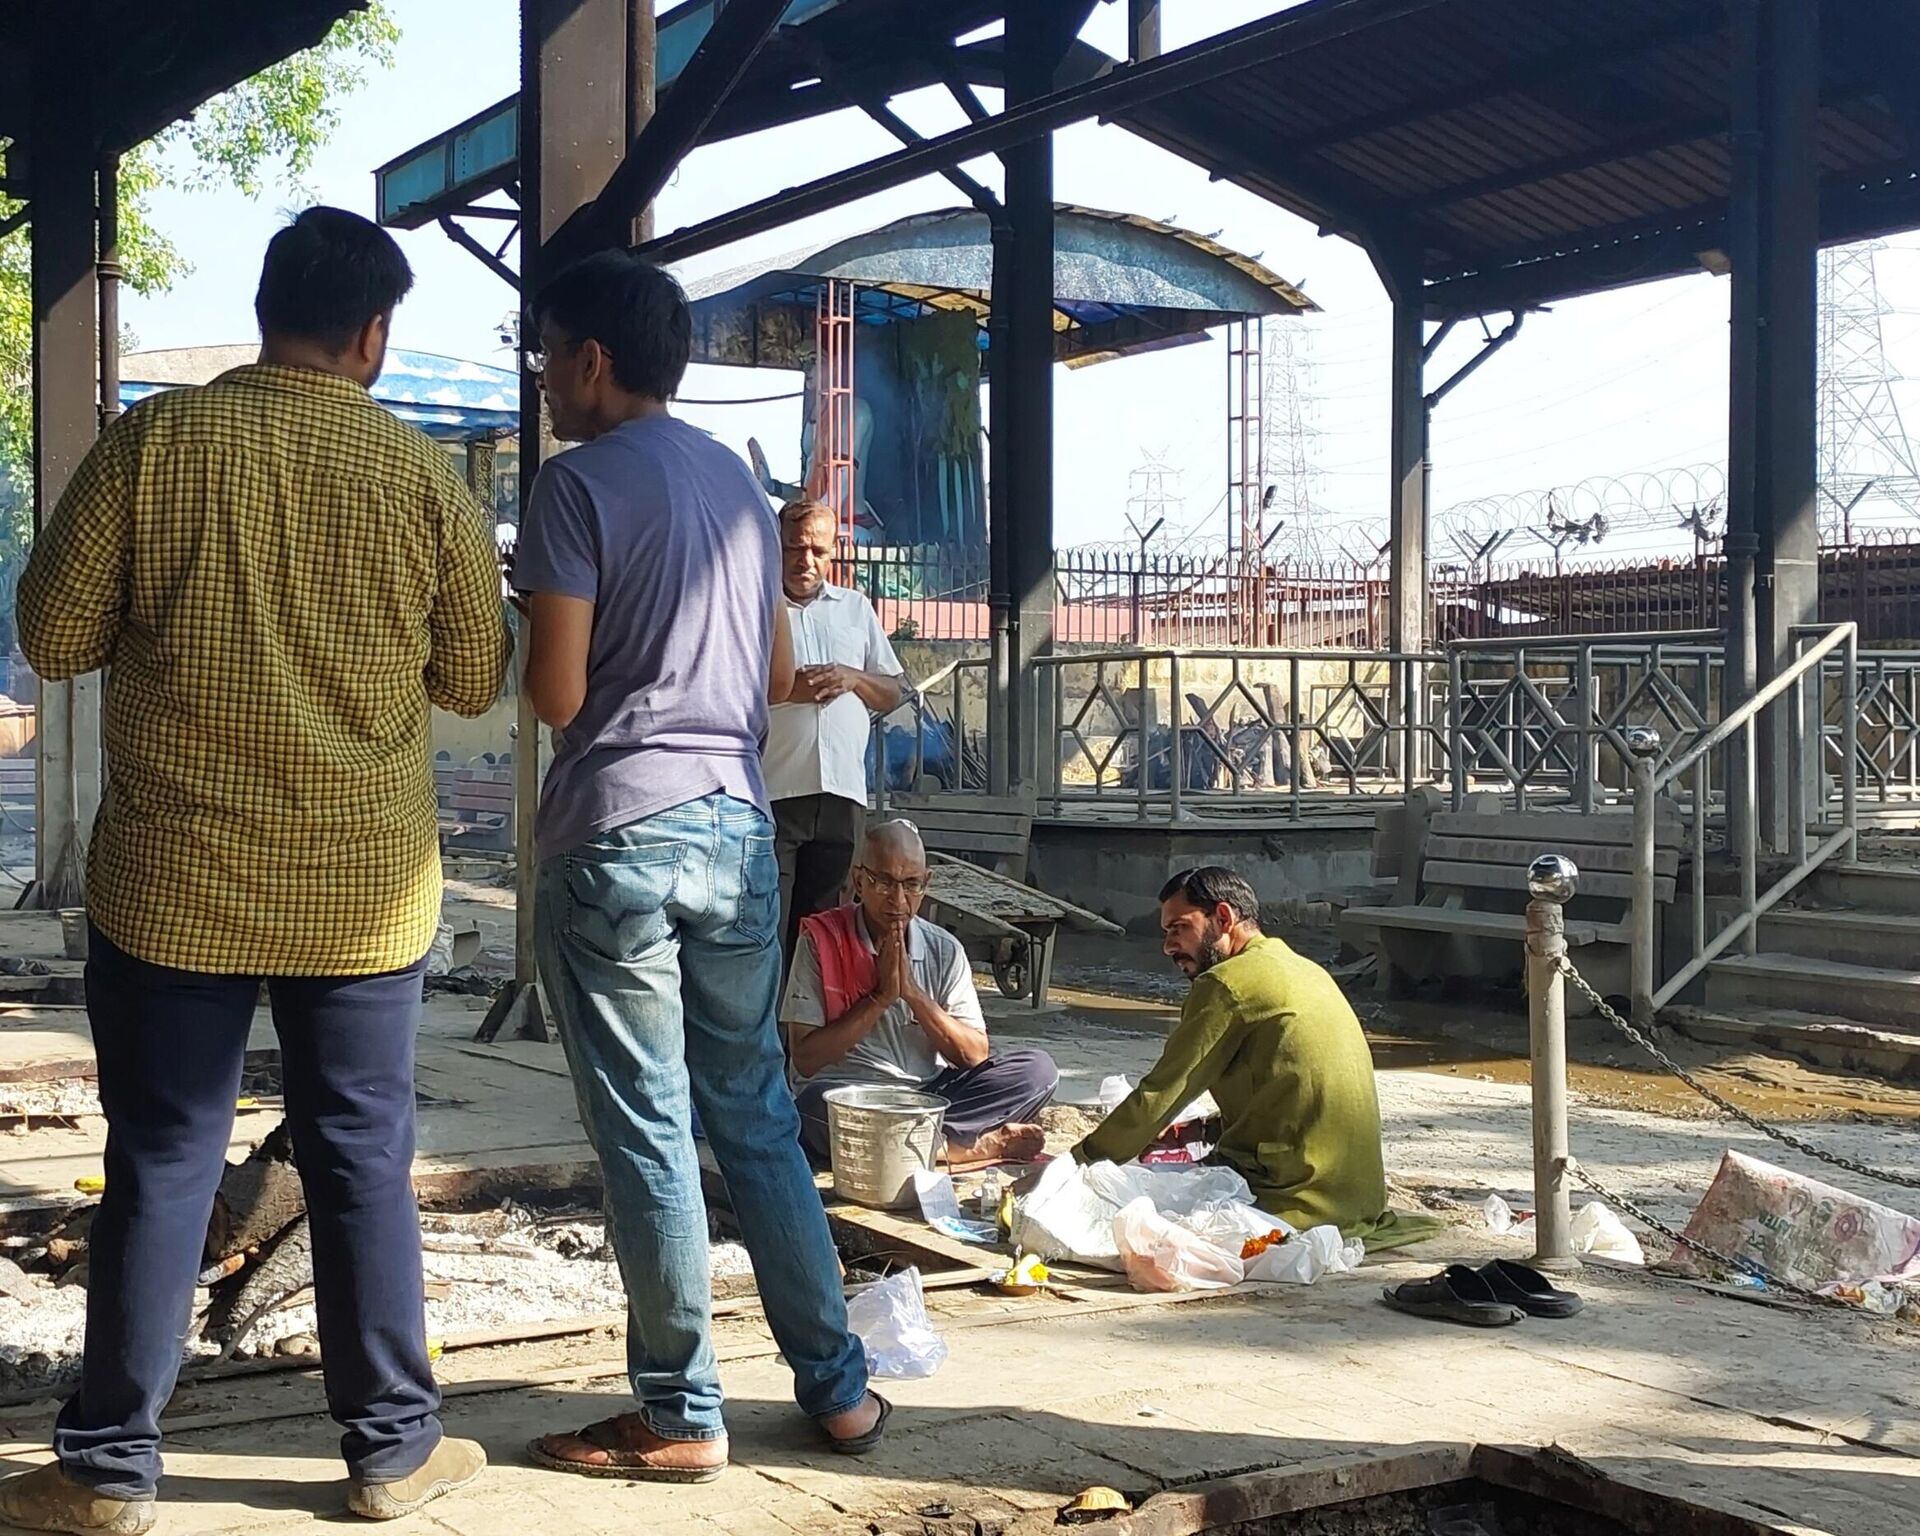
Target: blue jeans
659,953
171,1047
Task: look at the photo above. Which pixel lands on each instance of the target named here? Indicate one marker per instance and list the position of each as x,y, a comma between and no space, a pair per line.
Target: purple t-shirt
670,537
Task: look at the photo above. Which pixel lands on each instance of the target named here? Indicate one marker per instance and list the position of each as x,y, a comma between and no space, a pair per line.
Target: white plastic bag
1230,1224
1069,1213
1306,1256
1161,1256
1114,1090
1063,1217
890,1319
1175,1188
1598,1231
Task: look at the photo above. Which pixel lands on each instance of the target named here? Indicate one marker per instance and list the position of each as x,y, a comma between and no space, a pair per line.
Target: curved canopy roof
1122,284
444,397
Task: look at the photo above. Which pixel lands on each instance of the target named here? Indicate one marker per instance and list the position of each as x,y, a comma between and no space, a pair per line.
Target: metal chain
1726,1106
1680,1239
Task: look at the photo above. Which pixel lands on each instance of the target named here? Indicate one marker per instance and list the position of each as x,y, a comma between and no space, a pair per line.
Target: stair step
1850,935
1867,994
1880,887
1837,1044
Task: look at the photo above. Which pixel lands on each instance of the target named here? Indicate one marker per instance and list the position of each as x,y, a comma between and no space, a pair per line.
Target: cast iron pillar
66,419
1773,535
1028,382
1407,509
576,62
1408,418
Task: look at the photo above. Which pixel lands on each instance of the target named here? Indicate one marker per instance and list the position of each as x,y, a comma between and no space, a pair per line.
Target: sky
1611,386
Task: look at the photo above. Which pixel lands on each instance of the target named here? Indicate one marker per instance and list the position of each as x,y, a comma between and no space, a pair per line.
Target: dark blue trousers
171,1048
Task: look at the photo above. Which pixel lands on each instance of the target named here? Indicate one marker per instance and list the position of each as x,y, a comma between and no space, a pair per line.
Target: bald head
893,873
894,840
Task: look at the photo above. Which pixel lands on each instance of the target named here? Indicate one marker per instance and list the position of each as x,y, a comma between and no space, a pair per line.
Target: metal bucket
879,1138
73,932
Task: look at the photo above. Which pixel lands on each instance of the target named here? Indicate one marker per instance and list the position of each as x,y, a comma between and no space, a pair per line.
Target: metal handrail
1742,817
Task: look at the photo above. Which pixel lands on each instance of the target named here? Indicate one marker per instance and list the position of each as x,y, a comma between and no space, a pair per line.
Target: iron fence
1114,597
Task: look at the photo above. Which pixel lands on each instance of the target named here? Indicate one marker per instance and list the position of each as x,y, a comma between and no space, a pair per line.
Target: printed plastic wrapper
1161,1255
890,1319
1069,1214
1596,1230
1798,1229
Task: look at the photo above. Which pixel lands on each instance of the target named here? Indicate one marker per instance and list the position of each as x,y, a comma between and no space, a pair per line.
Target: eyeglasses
886,885
534,359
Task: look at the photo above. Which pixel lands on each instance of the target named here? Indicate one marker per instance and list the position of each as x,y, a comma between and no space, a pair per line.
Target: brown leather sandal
624,1447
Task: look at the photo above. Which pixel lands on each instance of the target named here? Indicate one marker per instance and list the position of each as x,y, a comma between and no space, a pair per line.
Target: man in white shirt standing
815,761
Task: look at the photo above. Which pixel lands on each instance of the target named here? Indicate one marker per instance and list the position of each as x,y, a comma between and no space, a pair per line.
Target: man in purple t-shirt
651,565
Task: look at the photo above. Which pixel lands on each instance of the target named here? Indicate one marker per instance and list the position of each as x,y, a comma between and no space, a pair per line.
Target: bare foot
1009,1144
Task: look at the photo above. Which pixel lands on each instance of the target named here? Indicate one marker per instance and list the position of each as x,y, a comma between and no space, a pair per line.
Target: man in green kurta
1272,1037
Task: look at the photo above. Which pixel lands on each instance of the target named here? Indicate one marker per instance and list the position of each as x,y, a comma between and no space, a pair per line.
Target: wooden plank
1471,924
1513,877
1523,851
1614,827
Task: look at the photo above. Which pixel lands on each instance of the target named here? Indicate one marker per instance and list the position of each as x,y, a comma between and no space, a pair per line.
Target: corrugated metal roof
1122,283
1530,149
445,397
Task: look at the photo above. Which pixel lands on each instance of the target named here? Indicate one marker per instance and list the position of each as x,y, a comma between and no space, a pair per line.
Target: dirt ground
1801,1418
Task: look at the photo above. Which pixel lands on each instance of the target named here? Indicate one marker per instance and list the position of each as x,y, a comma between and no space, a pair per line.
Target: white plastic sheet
1161,1255
1184,1227
1069,1213
890,1319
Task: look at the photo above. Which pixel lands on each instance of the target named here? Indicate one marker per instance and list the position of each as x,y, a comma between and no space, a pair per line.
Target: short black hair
328,274
633,309
1207,885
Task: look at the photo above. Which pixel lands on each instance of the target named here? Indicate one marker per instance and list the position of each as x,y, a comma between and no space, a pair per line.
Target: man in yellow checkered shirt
281,580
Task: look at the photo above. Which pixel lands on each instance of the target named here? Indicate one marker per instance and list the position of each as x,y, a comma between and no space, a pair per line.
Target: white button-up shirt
821,749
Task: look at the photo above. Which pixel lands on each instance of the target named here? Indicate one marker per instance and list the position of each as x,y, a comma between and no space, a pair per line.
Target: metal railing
1164,736
1737,734
1548,718
1883,708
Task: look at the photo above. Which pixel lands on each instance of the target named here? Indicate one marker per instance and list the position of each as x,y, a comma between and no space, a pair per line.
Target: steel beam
479,252
1024,386
672,129
1143,30
1407,465
1785,493
1117,91
643,73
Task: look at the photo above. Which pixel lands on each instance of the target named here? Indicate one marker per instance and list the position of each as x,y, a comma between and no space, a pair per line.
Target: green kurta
1272,1037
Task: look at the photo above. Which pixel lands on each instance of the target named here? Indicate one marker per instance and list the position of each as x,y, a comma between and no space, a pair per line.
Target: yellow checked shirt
281,578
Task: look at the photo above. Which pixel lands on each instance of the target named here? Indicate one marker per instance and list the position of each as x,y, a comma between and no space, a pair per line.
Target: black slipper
1529,1290
1455,1295
861,1445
